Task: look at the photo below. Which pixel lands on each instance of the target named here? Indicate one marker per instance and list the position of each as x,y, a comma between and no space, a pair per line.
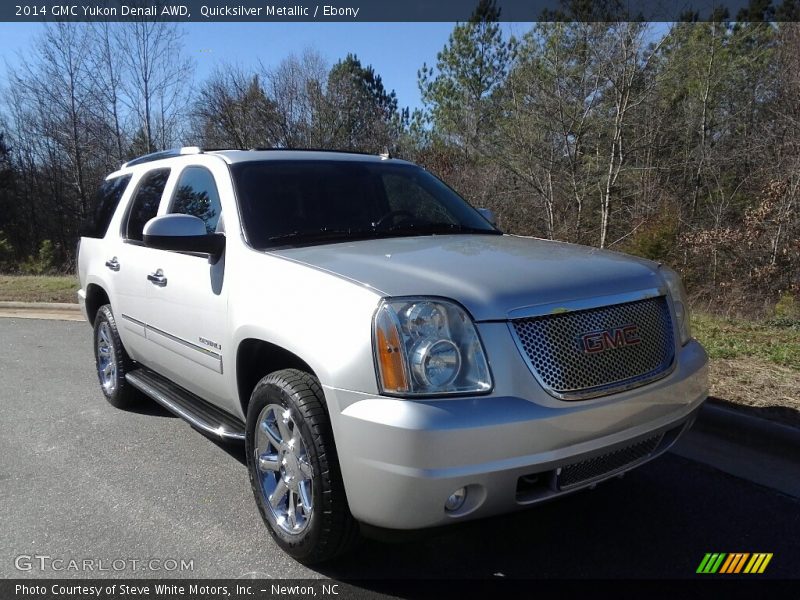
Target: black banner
401,11
273,589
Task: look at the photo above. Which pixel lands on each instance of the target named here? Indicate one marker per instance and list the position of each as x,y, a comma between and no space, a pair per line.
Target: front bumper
401,459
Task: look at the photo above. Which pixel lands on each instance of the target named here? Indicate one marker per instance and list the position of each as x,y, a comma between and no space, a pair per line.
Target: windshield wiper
349,233
436,228
316,235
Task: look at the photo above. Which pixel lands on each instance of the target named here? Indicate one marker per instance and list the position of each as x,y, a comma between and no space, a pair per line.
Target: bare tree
107,74
624,65
232,110
296,87
157,79
56,86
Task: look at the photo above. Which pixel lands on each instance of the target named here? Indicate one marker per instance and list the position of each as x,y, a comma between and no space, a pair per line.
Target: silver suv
388,357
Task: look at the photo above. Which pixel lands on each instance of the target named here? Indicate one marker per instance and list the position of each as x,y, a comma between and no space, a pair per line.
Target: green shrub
6,253
786,312
655,240
43,263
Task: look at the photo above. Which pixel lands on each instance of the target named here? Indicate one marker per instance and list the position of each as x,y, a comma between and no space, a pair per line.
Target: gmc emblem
607,339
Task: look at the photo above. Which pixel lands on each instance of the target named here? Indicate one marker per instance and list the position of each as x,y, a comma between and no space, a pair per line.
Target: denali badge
211,343
606,339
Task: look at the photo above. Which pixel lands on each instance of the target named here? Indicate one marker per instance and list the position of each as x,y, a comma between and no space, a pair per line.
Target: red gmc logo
607,339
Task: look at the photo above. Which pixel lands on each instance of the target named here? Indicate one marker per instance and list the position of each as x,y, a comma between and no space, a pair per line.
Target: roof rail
333,150
163,154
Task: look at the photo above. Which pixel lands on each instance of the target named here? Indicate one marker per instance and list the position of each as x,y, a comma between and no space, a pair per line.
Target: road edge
745,446
749,430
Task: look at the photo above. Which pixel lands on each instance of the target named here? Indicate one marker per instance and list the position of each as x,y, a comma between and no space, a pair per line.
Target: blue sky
396,50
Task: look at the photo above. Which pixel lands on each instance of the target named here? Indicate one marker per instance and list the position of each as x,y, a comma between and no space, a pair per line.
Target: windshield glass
287,203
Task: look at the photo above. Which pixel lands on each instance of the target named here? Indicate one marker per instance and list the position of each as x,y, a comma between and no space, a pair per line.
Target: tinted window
105,204
404,195
145,204
196,194
285,201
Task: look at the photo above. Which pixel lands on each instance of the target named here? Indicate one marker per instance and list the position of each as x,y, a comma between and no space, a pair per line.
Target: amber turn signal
390,356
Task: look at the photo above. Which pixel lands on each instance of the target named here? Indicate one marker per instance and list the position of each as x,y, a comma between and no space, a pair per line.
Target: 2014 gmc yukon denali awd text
385,353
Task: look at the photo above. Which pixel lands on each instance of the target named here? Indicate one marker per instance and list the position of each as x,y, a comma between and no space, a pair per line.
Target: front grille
601,466
554,347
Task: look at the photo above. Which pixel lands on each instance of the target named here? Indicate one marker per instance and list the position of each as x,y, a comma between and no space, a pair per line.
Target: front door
187,297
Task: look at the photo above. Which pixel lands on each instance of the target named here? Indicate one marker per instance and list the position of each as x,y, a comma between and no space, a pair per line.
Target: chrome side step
193,409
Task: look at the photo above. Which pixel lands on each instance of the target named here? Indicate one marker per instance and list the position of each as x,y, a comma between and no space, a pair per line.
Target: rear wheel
112,361
294,470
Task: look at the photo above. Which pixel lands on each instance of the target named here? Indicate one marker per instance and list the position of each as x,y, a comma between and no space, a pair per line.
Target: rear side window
145,204
105,204
196,194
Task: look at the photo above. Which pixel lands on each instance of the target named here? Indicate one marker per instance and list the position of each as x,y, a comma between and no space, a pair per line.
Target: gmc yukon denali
388,357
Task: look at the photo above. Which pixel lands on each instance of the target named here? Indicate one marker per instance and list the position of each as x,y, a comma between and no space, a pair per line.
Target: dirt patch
757,386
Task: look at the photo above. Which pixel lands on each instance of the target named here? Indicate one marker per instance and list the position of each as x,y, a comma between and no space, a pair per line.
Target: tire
112,362
302,477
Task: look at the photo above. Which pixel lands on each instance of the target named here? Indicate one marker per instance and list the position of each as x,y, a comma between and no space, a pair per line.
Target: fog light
456,500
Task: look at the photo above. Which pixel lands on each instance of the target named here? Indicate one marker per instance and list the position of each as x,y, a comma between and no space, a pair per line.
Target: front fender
322,318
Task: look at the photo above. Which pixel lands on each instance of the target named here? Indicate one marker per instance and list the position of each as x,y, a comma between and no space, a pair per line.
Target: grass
755,365
727,339
38,288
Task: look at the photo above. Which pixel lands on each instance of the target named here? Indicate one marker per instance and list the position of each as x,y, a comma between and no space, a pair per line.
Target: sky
395,50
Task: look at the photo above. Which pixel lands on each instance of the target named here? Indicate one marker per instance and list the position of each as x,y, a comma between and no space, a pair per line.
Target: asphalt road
80,479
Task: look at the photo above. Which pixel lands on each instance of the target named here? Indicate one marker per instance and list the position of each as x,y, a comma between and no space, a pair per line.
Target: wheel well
257,358
95,298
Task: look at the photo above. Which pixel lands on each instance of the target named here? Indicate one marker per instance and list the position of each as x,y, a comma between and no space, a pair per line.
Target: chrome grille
606,464
552,345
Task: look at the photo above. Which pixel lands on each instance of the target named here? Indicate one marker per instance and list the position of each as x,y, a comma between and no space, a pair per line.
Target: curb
41,306
755,432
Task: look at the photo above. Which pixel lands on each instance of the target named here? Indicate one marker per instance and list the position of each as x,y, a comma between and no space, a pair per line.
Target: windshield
296,202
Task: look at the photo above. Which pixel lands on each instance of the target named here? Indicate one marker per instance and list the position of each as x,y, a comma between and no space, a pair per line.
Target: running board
193,409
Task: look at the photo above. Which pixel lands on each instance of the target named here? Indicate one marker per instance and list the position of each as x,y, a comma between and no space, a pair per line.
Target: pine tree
460,92
363,114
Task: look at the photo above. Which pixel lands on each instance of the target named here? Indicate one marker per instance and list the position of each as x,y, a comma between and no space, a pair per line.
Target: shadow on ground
657,522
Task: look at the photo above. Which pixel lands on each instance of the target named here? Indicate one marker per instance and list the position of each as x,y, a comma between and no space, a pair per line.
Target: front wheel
294,470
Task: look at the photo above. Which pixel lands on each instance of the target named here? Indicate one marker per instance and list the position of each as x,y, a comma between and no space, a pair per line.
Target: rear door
131,260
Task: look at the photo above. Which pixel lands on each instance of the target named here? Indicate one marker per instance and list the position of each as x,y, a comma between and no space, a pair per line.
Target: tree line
677,142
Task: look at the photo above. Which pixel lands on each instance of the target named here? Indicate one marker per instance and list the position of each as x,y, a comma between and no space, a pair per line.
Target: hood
490,275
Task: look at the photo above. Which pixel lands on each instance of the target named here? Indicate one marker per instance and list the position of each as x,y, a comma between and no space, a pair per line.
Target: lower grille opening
602,465
539,486
534,486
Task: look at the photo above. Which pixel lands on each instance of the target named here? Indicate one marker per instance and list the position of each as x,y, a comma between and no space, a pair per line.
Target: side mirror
489,215
183,233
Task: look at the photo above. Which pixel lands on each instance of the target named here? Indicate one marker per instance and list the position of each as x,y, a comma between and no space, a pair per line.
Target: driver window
145,204
403,194
196,194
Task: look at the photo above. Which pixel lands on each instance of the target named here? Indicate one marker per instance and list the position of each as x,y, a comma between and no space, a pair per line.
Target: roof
232,156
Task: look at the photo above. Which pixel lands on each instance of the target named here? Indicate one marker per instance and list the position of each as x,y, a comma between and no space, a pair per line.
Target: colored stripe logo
734,562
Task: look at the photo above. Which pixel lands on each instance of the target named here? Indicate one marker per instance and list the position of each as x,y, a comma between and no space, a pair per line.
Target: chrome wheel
284,469
106,358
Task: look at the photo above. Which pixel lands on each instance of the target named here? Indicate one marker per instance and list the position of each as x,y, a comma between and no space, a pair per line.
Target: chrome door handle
113,264
157,278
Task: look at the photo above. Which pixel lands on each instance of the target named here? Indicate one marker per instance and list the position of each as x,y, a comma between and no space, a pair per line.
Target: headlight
679,301
428,346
